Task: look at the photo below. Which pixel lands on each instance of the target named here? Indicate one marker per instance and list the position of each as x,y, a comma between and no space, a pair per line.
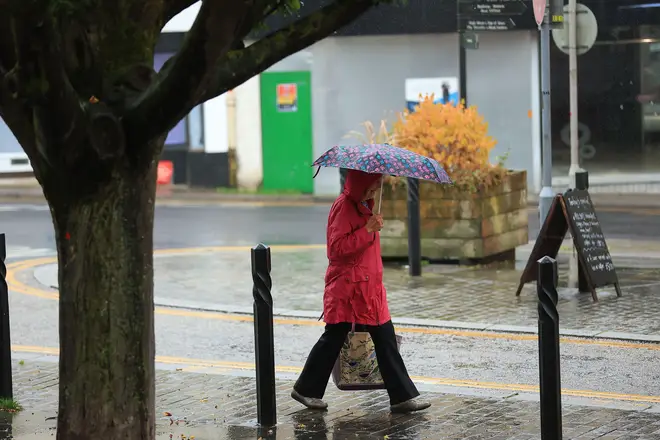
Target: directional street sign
489,25
495,15
499,8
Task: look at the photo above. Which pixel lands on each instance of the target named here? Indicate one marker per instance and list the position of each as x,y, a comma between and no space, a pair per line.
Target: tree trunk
107,349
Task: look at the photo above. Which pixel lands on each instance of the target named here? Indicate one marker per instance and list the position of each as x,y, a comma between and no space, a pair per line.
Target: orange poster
287,97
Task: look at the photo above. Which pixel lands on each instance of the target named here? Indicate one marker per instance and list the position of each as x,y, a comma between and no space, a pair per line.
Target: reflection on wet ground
484,294
218,407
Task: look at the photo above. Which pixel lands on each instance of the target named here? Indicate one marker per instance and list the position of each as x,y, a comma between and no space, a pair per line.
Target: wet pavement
221,280
439,359
496,370
212,406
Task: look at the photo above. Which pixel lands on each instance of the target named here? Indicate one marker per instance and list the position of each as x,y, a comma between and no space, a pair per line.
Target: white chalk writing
588,231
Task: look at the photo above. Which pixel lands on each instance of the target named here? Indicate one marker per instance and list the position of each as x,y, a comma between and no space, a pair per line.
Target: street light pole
546,196
573,91
573,100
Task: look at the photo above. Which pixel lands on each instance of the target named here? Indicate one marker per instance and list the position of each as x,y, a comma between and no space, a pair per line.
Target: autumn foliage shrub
456,136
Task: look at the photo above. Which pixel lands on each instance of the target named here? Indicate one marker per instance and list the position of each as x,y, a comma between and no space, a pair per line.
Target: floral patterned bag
356,367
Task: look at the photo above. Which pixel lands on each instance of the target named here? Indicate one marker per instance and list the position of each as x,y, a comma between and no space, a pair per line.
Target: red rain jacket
354,290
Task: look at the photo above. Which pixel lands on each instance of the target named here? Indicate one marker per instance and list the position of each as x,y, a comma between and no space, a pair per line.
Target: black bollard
414,233
549,371
6,388
264,343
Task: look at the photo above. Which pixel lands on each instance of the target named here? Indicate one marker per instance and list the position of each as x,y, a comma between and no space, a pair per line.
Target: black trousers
315,375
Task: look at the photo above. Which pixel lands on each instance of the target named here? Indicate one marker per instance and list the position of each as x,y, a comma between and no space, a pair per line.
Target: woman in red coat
354,294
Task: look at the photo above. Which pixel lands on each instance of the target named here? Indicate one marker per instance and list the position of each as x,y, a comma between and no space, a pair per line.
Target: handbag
356,367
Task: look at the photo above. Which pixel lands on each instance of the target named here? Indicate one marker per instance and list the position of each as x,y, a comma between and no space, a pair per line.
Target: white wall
503,82
248,134
216,134
359,79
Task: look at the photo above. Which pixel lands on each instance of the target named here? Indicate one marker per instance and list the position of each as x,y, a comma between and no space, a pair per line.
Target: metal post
462,69
549,371
414,233
573,91
581,182
264,343
546,196
6,387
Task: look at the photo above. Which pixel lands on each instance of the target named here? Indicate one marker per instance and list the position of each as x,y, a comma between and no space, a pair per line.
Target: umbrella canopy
384,159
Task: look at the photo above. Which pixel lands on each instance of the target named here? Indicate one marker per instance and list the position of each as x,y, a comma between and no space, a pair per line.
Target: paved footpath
217,406
479,298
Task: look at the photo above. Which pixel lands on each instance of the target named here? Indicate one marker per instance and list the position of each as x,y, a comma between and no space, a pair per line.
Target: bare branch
39,79
185,78
238,66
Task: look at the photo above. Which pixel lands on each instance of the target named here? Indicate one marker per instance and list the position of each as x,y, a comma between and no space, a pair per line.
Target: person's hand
375,223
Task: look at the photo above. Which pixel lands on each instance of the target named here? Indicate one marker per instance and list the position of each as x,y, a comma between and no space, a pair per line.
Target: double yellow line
219,367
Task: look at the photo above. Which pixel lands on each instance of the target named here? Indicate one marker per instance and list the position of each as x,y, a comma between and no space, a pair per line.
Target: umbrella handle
380,200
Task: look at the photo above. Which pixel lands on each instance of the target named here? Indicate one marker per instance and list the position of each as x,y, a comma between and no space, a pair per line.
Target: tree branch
238,66
185,78
40,81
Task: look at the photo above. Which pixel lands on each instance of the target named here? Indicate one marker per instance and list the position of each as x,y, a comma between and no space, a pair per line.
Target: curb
415,322
188,198
33,194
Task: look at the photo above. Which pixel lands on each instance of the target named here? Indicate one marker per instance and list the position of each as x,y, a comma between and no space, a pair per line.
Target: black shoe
409,406
309,402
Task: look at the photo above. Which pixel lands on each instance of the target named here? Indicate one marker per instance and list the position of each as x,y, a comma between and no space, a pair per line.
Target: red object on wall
539,10
165,172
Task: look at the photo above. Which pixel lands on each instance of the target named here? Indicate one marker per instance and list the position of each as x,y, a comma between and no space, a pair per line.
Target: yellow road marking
17,286
192,365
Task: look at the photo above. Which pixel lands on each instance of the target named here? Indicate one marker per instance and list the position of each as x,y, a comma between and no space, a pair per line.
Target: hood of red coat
357,183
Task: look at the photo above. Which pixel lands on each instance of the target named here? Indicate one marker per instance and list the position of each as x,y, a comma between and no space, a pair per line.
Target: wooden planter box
458,225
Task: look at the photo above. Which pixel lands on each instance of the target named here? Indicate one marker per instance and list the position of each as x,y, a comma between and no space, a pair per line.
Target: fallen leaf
167,414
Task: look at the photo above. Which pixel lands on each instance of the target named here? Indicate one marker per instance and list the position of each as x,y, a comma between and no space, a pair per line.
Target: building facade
359,73
297,109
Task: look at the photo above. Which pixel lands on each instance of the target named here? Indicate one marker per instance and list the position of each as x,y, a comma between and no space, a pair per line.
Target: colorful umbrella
383,159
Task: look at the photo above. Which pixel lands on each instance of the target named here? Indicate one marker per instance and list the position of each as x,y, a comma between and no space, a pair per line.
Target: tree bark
107,349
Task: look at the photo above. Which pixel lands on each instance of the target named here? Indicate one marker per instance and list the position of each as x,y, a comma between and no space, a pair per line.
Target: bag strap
353,327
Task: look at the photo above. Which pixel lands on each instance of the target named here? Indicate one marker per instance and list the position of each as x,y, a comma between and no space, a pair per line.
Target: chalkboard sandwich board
573,211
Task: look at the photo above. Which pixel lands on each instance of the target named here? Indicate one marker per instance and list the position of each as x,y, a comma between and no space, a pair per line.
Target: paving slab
475,298
213,406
